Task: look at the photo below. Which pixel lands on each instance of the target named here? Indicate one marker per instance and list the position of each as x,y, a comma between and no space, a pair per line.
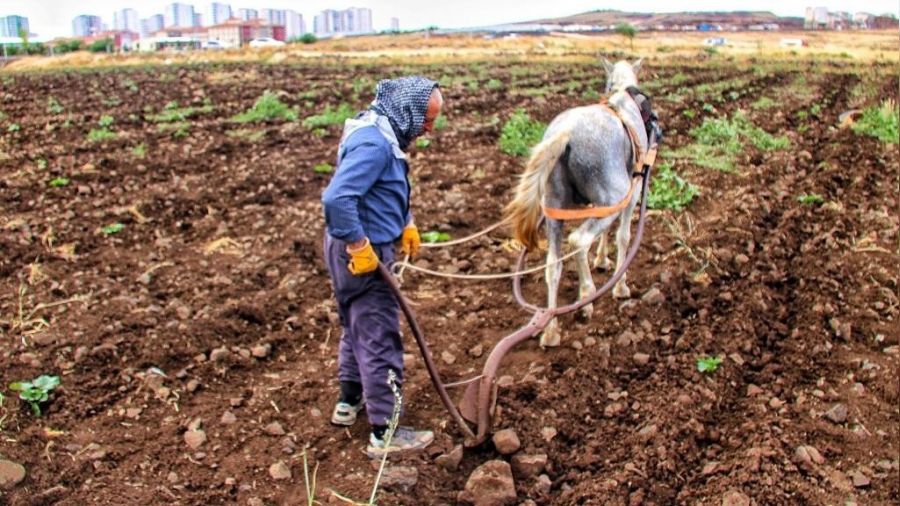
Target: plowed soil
211,309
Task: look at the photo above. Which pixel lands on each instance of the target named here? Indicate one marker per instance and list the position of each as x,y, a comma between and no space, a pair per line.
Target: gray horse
585,157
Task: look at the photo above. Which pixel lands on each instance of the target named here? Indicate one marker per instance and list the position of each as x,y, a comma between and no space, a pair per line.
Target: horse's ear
636,66
607,66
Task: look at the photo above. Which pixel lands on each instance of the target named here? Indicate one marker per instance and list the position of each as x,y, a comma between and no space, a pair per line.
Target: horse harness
638,160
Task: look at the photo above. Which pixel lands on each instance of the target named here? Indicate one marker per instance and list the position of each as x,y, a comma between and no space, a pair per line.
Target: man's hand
363,259
410,241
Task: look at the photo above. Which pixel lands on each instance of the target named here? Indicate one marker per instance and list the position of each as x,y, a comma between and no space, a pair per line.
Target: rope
467,238
400,267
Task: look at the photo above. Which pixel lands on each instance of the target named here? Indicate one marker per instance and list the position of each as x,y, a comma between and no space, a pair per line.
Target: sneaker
404,439
345,414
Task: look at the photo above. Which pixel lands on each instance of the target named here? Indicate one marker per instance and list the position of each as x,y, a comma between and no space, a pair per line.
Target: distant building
247,14
180,15
122,40
237,32
152,24
10,26
86,25
127,20
395,24
218,13
293,24
883,23
272,16
352,20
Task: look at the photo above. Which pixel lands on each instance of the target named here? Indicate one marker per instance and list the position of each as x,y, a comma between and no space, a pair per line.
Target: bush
267,108
520,133
308,38
67,46
330,116
101,46
880,122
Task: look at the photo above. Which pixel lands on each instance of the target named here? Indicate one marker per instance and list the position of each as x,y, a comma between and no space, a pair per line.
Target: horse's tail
525,210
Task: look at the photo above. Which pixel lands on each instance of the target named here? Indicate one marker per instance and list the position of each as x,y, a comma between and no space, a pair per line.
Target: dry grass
418,48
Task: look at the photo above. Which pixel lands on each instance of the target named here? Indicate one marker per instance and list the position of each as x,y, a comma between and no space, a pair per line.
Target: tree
308,38
627,30
23,34
101,46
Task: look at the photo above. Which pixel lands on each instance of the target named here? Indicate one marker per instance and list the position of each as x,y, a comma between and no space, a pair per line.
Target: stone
261,350
228,418
735,498
542,485
859,479
476,351
280,471
506,441
654,297
448,358
548,433
808,455
255,501
626,338
133,412
399,477
614,409
839,480
11,474
219,354
837,414
491,484
753,390
526,466
236,402
450,460
195,438
641,358
274,429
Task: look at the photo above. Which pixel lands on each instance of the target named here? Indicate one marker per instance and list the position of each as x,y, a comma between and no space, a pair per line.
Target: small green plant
669,191
810,199
689,113
434,236
179,130
422,143
267,108
60,181
172,113
520,133
139,151
53,106
103,133
320,132
763,103
494,84
113,228
708,364
36,391
105,121
330,116
41,163
323,168
881,122
440,123
707,107
13,127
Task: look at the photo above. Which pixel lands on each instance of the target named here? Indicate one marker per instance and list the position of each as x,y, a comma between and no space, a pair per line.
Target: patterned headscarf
404,102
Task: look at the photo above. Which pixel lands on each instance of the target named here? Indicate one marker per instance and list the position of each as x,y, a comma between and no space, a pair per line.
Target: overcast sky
53,18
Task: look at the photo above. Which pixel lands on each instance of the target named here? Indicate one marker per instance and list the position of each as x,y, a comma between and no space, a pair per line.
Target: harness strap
583,213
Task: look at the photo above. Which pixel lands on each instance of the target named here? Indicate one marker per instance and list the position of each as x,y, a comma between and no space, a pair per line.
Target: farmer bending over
366,213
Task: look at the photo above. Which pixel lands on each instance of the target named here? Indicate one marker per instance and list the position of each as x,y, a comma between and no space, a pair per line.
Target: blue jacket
369,193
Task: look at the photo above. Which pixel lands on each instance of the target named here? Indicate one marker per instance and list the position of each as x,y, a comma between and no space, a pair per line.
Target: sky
53,18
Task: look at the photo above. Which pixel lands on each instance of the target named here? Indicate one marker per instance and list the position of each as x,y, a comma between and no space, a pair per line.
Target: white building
86,25
352,20
126,19
395,24
10,26
218,13
247,14
293,24
272,16
152,24
180,15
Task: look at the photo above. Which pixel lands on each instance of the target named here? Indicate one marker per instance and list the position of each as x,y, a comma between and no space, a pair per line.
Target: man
366,212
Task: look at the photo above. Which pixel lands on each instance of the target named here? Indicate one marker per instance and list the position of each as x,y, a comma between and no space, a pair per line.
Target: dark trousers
370,345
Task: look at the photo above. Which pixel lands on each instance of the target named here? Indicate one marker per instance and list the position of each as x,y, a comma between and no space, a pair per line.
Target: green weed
53,106
323,168
434,236
669,190
520,133
36,391
880,122
139,151
267,108
113,228
810,199
763,103
59,182
423,143
330,116
171,113
708,364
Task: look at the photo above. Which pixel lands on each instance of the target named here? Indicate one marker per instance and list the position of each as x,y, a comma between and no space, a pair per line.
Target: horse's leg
601,260
623,237
550,337
581,239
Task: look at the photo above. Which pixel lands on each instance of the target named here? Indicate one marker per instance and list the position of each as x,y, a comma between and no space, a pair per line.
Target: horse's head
621,74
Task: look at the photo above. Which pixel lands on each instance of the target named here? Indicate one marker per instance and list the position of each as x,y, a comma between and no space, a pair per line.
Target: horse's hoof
621,291
550,337
603,264
585,313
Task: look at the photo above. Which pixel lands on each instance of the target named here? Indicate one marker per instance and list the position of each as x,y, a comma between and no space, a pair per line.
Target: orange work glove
362,260
410,241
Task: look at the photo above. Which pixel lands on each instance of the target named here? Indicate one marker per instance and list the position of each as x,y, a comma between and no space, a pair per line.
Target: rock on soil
526,466
837,414
506,441
195,438
400,477
491,484
280,471
11,474
274,429
450,460
735,498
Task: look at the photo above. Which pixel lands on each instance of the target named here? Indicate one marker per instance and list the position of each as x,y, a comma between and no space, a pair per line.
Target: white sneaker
405,439
344,414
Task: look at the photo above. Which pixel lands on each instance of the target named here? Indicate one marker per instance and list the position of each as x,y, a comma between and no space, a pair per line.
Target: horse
586,156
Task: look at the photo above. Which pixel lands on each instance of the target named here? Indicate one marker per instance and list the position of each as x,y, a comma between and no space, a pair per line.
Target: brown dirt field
800,301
